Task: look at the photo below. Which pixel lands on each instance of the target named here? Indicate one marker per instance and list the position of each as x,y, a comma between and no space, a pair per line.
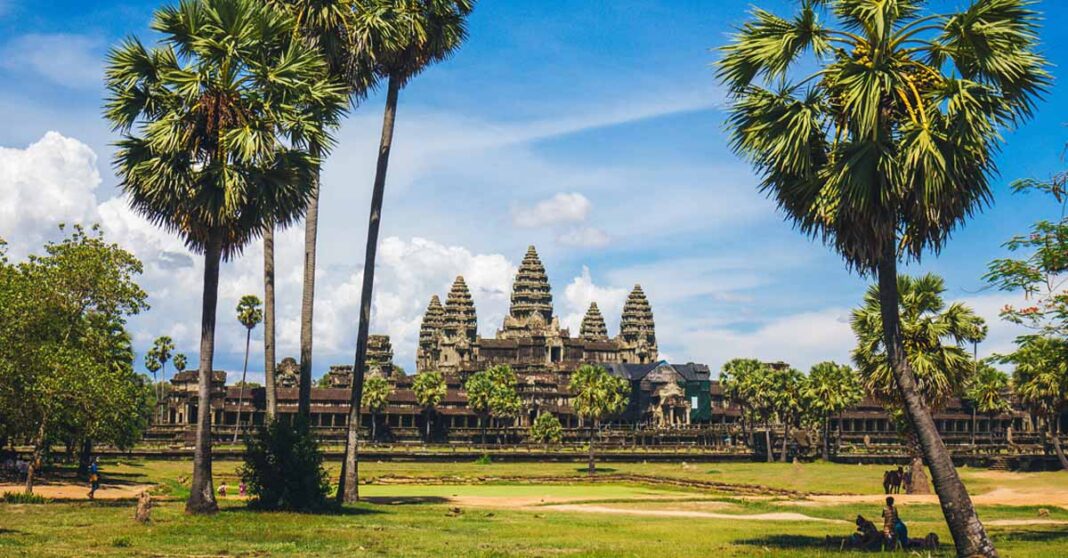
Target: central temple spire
531,295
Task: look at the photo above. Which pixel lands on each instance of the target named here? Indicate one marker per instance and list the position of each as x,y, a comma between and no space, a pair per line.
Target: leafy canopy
596,393
889,145
249,311
429,388
217,118
934,336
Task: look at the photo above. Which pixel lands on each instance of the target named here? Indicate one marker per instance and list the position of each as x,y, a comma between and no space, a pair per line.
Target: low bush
283,469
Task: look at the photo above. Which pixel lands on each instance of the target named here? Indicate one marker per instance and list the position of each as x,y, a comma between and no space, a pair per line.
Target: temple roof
460,318
531,293
593,327
637,320
433,321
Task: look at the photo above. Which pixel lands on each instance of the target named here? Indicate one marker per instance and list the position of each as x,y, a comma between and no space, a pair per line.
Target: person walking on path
94,477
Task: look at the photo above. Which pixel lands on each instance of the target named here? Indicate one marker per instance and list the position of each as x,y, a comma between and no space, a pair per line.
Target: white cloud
50,182
582,291
563,207
586,237
64,59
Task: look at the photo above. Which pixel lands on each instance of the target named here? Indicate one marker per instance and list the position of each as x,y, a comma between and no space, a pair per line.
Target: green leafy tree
743,382
491,393
430,389
396,39
283,468
66,364
785,387
596,395
988,393
1040,380
933,336
546,430
250,314
888,147
1041,275
375,399
831,388
215,123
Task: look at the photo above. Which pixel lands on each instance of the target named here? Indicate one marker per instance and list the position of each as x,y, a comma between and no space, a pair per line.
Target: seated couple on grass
895,533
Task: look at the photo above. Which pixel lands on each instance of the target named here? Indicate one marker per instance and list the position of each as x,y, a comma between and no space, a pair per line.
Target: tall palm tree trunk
241,392
268,321
969,536
348,491
307,299
591,467
767,443
826,437
202,491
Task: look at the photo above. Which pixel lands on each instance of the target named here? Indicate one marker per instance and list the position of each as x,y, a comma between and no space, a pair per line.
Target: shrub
546,430
23,498
283,468
484,459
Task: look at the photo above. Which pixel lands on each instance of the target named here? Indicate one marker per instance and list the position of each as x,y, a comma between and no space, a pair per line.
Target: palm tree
785,388
153,365
328,26
375,398
887,148
1040,379
479,390
987,392
831,388
213,121
397,39
179,361
250,314
743,384
162,348
430,389
597,395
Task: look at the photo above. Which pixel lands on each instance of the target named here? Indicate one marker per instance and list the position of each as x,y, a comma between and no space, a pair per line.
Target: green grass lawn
415,520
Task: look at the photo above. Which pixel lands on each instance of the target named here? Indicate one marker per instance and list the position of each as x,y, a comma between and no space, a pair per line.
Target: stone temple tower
531,313
593,327
459,328
426,354
637,333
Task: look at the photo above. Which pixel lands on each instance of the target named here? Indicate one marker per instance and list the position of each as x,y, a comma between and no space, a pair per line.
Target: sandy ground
778,516
1049,496
67,491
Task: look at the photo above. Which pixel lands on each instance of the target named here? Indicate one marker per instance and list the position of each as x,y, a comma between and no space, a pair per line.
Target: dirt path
1048,496
778,516
68,491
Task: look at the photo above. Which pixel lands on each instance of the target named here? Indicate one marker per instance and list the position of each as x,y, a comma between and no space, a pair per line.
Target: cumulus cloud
563,207
52,181
65,59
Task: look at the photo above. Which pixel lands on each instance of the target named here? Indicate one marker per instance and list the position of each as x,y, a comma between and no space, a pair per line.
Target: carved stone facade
379,361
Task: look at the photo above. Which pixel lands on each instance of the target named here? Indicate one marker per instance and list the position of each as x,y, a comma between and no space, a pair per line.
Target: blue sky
590,129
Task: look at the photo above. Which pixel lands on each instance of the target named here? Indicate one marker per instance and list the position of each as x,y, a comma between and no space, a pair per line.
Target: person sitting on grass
866,536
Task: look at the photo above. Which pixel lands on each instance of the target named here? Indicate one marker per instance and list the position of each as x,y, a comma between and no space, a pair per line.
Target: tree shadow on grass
1056,534
404,500
599,470
332,510
786,542
4,531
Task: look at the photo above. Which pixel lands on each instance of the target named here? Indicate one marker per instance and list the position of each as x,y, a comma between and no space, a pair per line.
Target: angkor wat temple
678,402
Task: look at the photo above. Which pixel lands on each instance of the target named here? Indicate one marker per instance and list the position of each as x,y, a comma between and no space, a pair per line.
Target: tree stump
144,507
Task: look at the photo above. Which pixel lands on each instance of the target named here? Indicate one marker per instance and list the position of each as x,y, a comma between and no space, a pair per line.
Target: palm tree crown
934,335
400,38
250,311
888,146
214,120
